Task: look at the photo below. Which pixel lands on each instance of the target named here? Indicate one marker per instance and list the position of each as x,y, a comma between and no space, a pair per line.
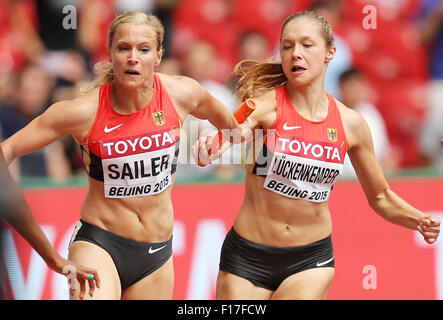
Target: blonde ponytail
257,77
105,71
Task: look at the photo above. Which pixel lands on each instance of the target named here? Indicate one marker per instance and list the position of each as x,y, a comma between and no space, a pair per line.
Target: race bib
304,170
138,165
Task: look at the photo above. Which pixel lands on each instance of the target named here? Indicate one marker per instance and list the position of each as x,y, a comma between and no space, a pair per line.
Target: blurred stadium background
48,49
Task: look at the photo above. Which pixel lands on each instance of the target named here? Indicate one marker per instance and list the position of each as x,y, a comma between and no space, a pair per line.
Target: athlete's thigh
233,287
311,284
93,256
159,285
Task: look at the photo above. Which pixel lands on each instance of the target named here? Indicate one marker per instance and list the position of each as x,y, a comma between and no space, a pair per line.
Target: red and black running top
133,154
300,158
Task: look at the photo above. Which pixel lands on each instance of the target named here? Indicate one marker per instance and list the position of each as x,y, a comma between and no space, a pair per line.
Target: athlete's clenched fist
429,227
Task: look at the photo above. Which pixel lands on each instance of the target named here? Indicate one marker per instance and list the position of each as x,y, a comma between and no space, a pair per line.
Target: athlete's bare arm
261,118
65,117
16,211
191,98
380,197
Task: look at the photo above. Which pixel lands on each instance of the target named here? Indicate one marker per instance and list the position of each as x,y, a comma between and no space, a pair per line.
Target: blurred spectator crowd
388,65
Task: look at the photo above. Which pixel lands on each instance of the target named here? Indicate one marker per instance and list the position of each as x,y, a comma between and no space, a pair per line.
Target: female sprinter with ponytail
128,128
280,245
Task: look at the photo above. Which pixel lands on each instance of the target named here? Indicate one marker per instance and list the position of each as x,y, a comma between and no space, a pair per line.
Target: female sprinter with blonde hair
280,246
128,128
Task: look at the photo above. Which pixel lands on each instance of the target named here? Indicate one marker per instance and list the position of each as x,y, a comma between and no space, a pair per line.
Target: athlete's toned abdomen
267,217
148,219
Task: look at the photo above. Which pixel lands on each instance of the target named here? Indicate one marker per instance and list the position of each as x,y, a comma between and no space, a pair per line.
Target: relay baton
241,114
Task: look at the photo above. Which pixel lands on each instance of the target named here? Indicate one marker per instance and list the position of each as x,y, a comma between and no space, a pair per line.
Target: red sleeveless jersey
133,154
301,159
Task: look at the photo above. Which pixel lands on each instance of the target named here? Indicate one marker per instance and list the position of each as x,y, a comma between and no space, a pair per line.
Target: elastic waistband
272,249
120,238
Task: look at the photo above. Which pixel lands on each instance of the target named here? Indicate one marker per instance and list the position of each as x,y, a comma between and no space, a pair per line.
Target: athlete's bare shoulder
267,99
350,117
86,102
177,80
356,128
75,115
266,106
180,87
186,93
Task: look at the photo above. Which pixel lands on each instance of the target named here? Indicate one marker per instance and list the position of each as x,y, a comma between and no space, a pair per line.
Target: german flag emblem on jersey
332,134
159,118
